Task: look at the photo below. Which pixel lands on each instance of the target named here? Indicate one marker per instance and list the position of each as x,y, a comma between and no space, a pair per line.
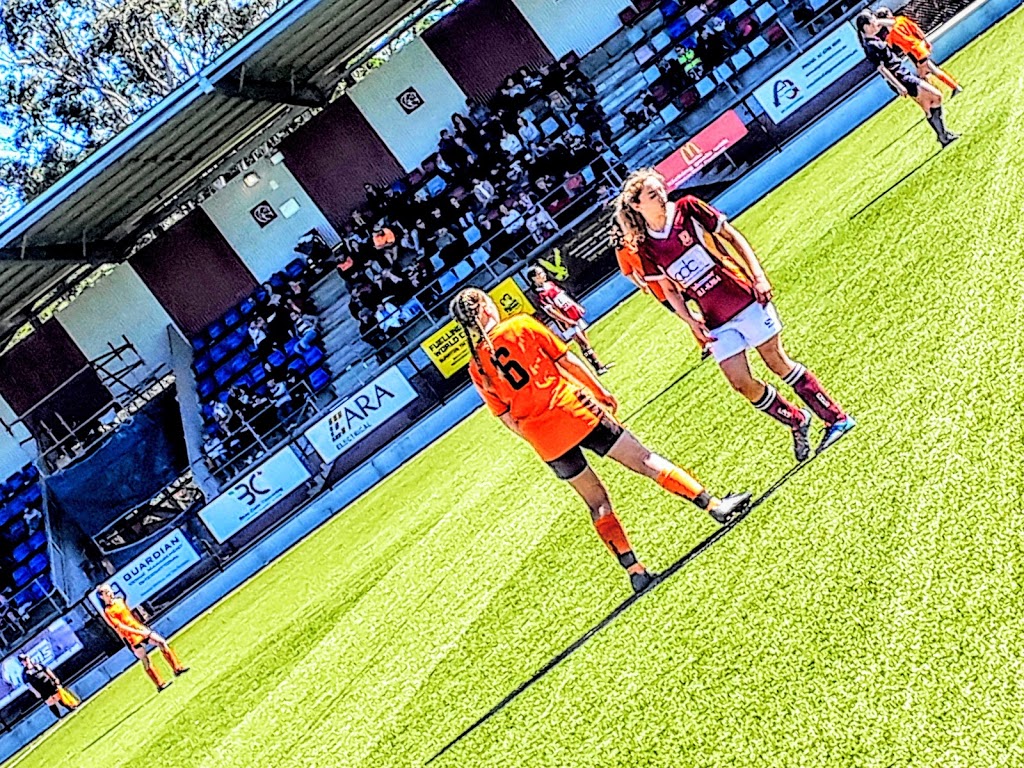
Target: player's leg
168,653
587,349
928,68
590,488
52,705
929,98
147,666
634,455
809,389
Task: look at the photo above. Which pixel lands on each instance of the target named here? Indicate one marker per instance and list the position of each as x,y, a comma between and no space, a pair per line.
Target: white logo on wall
360,414
253,494
263,213
410,100
153,570
793,86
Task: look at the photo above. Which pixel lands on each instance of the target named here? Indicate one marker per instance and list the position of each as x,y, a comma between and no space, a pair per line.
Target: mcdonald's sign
689,159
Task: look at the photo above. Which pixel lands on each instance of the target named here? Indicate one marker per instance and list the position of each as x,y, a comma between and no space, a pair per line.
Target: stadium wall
503,42
119,304
410,135
268,248
860,106
573,25
12,455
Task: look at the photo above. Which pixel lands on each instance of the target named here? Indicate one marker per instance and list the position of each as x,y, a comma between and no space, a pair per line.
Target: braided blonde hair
466,309
629,220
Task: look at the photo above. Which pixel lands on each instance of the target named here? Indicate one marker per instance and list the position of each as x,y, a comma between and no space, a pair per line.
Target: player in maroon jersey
567,314
697,255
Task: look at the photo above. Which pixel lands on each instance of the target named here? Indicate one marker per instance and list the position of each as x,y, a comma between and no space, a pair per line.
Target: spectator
561,106
511,144
299,299
305,330
280,397
478,113
483,191
412,240
541,225
511,219
213,446
258,332
9,614
529,133
387,316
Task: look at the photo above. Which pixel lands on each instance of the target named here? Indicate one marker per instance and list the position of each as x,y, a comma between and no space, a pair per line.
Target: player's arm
890,78
575,369
748,262
675,297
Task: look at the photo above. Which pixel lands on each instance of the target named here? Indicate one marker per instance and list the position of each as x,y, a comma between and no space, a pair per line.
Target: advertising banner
447,347
691,158
153,570
51,647
795,85
253,494
361,413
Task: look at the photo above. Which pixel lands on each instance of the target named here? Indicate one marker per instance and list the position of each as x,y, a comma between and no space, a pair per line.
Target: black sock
703,500
937,121
592,357
55,709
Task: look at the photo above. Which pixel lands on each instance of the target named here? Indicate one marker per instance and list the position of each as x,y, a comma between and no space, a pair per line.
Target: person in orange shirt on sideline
136,635
905,36
545,394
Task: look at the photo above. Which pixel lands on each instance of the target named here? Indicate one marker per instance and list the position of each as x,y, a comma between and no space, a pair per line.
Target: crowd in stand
279,325
487,187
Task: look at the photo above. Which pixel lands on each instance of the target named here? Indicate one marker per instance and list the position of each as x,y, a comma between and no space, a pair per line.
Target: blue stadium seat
205,388
290,345
16,532
247,308
670,9
36,592
201,365
219,352
257,375
295,269
21,553
198,343
32,496
21,576
313,357
7,514
223,375
318,379
37,541
298,366
677,29
216,330
277,282
39,564
207,411
232,317
45,584
276,358
238,339
239,363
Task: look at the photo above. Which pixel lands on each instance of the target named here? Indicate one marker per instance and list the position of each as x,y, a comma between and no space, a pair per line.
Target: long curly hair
630,222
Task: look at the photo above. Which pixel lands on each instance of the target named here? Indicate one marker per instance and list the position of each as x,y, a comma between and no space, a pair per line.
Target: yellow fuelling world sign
448,348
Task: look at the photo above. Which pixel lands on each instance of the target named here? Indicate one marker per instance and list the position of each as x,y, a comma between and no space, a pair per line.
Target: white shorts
568,334
750,328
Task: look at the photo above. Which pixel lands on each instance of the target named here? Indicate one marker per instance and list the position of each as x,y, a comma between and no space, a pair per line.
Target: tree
77,72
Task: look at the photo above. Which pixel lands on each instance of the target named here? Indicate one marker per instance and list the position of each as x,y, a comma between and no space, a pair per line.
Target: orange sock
172,659
155,677
949,81
612,534
679,482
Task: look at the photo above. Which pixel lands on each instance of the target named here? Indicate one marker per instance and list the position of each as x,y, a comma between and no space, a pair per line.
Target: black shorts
916,60
600,440
910,82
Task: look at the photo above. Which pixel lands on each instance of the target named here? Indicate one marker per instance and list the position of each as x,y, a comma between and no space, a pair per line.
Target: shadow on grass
656,396
118,724
899,138
619,609
925,162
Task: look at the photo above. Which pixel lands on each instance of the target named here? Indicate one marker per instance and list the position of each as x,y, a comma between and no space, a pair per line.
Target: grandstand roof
289,63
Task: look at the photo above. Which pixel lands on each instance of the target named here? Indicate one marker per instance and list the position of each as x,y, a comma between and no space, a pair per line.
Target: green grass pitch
868,614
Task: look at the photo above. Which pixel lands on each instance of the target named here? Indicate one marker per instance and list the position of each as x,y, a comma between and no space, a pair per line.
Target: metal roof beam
66,254
301,94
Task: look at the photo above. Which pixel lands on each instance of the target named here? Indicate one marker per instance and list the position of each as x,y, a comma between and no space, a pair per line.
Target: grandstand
152,303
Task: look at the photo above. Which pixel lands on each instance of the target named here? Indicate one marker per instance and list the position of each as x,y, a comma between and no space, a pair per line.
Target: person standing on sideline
567,315
137,635
42,681
905,36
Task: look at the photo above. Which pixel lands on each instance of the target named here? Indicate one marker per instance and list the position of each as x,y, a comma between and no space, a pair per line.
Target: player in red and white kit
695,254
567,314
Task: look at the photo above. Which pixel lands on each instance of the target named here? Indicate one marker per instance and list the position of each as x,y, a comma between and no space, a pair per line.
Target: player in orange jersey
905,36
545,394
136,635
696,254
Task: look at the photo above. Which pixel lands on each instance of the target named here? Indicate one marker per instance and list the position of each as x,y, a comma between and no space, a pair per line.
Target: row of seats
23,543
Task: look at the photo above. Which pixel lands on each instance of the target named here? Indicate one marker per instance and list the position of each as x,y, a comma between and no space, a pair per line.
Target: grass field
869,613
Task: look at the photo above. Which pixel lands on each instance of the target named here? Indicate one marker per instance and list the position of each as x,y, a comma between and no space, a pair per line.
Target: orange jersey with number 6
522,379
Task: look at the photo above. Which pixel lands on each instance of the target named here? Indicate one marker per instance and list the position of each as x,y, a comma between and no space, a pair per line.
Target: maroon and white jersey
690,253
552,295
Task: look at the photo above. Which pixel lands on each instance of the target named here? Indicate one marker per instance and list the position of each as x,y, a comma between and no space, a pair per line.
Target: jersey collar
670,219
